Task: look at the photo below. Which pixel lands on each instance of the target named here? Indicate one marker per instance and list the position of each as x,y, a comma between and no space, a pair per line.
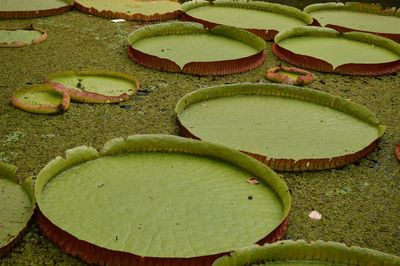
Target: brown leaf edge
313,63
93,254
34,14
397,152
18,44
266,34
215,68
44,108
137,17
91,97
304,78
290,165
27,186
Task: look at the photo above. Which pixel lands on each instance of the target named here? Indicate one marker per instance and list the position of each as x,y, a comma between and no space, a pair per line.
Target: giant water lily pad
94,86
19,37
295,253
158,200
41,99
190,48
146,10
261,18
17,207
32,9
285,127
363,17
327,50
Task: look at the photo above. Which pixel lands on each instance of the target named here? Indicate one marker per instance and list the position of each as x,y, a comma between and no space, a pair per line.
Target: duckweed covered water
360,204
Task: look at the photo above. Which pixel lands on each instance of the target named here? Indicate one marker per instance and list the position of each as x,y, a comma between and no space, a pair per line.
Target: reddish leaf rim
266,34
222,67
304,78
34,14
317,64
137,17
93,254
397,152
91,97
18,44
41,109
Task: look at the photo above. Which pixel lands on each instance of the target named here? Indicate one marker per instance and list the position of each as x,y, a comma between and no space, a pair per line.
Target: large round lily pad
31,9
145,10
327,50
94,86
17,207
261,18
363,17
158,199
19,37
41,99
190,48
286,127
296,253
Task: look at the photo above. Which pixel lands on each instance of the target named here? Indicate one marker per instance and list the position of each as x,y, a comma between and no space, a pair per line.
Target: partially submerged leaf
16,207
19,37
289,75
397,152
190,208
31,9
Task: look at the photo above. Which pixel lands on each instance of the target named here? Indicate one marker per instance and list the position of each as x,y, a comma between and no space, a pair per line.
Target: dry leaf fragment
314,215
253,181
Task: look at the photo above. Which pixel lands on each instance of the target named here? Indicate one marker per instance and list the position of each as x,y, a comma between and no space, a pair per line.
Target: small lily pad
17,207
40,99
289,75
19,37
94,86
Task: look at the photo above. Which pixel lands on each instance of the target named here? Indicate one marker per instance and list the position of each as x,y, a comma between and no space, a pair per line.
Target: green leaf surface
281,122
130,7
28,5
294,253
24,36
252,16
184,42
16,205
340,49
163,203
101,84
37,96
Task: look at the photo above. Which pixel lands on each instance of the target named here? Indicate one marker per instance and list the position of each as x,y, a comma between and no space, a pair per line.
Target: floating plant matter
144,10
117,208
17,207
192,49
397,151
363,17
327,50
286,127
19,37
261,18
32,9
94,86
40,99
302,253
289,75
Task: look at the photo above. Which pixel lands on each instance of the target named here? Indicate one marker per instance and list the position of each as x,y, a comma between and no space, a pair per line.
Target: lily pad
17,207
319,253
19,37
327,50
32,9
286,127
94,86
190,48
289,75
144,10
40,99
261,18
158,200
353,16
